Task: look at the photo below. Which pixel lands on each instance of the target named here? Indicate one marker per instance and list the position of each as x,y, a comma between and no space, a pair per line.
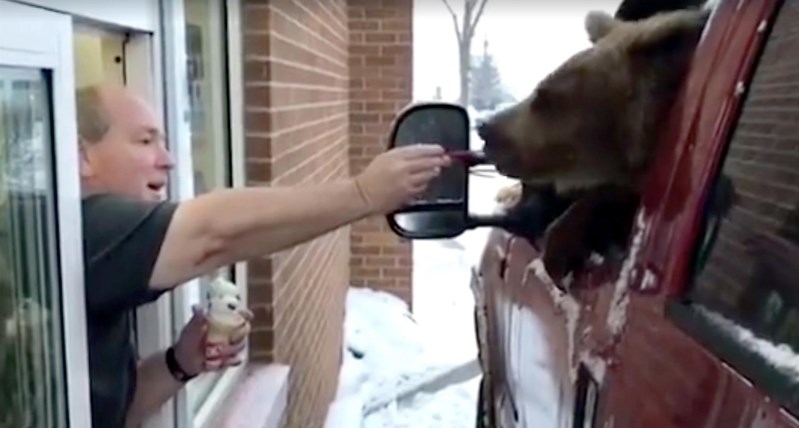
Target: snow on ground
390,352
452,407
386,349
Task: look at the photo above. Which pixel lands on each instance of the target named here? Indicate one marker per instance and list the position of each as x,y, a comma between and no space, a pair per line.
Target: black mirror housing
442,211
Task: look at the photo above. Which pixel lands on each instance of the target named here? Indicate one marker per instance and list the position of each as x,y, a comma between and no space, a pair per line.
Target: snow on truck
696,322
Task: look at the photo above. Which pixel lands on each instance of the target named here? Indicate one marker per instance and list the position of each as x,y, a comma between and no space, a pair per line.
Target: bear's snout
499,149
495,141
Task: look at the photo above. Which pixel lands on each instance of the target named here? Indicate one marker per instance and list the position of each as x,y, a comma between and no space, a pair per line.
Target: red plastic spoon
468,157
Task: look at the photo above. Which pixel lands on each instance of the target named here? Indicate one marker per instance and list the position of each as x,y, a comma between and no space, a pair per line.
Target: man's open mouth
156,187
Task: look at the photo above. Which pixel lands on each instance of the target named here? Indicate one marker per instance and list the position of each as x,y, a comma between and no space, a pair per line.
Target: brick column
296,101
381,74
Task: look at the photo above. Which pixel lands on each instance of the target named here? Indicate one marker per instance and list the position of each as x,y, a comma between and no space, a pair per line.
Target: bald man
138,246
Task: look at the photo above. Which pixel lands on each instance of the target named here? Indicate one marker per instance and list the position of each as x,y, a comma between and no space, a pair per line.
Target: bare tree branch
464,31
454,20
480,10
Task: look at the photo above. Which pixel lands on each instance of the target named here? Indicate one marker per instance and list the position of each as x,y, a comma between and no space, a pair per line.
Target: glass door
31,346
43,360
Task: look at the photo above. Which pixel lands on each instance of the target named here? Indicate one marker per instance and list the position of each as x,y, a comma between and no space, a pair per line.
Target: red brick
323,81
380,84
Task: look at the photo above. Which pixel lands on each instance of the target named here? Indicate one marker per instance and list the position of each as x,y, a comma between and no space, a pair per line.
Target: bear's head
594,120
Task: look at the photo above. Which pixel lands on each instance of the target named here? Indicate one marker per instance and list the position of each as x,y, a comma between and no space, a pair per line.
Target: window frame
700,322
55,54
140,15
178,128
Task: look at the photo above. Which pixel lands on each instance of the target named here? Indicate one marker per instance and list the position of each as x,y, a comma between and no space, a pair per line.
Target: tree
464,31
486,89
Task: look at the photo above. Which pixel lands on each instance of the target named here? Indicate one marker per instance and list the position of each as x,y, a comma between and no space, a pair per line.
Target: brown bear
588,130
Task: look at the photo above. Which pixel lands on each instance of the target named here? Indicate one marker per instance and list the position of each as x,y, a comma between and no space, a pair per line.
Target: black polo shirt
121,241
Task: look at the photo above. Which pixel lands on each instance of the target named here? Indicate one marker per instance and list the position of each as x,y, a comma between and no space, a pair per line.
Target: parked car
698,324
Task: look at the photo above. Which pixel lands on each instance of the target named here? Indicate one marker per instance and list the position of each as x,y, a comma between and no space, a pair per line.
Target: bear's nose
483,129
490,135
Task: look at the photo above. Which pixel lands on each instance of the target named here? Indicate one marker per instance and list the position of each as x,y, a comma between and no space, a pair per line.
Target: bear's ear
667,33
599,24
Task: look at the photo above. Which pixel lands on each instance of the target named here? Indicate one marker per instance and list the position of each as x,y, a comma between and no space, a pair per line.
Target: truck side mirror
442,211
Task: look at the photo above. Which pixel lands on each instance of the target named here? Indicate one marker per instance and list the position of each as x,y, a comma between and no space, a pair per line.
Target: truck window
745,287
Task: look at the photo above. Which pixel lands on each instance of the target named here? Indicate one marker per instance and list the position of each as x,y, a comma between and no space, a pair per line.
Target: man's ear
599,24
85,158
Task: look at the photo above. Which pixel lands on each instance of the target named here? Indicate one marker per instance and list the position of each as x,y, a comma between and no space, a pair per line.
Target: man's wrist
368,205
177,371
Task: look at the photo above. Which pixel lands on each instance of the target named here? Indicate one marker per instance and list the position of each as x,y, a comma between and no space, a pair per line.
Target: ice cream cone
219,335
226,323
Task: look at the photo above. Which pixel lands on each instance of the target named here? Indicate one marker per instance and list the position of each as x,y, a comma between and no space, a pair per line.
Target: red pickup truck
697,325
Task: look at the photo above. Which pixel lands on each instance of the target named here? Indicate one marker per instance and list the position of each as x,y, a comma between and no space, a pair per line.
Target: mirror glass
445,200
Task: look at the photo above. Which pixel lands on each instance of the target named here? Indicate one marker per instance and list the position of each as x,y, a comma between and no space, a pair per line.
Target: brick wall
381,73
296,100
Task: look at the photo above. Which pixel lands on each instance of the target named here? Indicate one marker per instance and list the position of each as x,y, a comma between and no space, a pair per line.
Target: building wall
296,99
323,80
381,74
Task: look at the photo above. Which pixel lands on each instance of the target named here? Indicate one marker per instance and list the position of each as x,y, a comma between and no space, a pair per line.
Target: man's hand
190,347
393,178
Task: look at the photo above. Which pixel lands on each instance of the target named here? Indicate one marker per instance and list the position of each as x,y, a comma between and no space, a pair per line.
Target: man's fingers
420,151
246,314
426,164
197,316
237,347
423,178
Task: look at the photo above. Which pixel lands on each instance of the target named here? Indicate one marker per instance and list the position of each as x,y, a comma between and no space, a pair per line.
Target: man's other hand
395,177
190,347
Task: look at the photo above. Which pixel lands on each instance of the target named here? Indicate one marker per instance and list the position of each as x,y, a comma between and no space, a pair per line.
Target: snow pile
387,355
443,299
385,349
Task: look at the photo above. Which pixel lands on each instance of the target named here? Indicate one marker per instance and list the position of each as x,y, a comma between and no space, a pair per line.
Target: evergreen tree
486,91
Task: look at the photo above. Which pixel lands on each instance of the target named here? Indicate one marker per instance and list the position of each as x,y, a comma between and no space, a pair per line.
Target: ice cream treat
225,317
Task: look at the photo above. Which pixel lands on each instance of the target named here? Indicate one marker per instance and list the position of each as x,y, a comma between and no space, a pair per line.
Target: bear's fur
591,126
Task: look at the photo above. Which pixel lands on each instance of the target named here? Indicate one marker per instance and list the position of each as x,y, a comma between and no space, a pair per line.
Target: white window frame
139,15
156,69
179,136
42,39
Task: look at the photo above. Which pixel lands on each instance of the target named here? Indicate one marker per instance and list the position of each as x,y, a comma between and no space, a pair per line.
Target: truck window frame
778,384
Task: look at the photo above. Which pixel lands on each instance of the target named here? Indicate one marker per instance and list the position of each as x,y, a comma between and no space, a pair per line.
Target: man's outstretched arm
233,225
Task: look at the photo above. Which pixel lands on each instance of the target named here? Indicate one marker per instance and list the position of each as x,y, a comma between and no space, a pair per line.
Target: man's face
131,159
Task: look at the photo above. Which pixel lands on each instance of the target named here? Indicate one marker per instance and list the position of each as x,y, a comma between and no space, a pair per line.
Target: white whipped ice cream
224,303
